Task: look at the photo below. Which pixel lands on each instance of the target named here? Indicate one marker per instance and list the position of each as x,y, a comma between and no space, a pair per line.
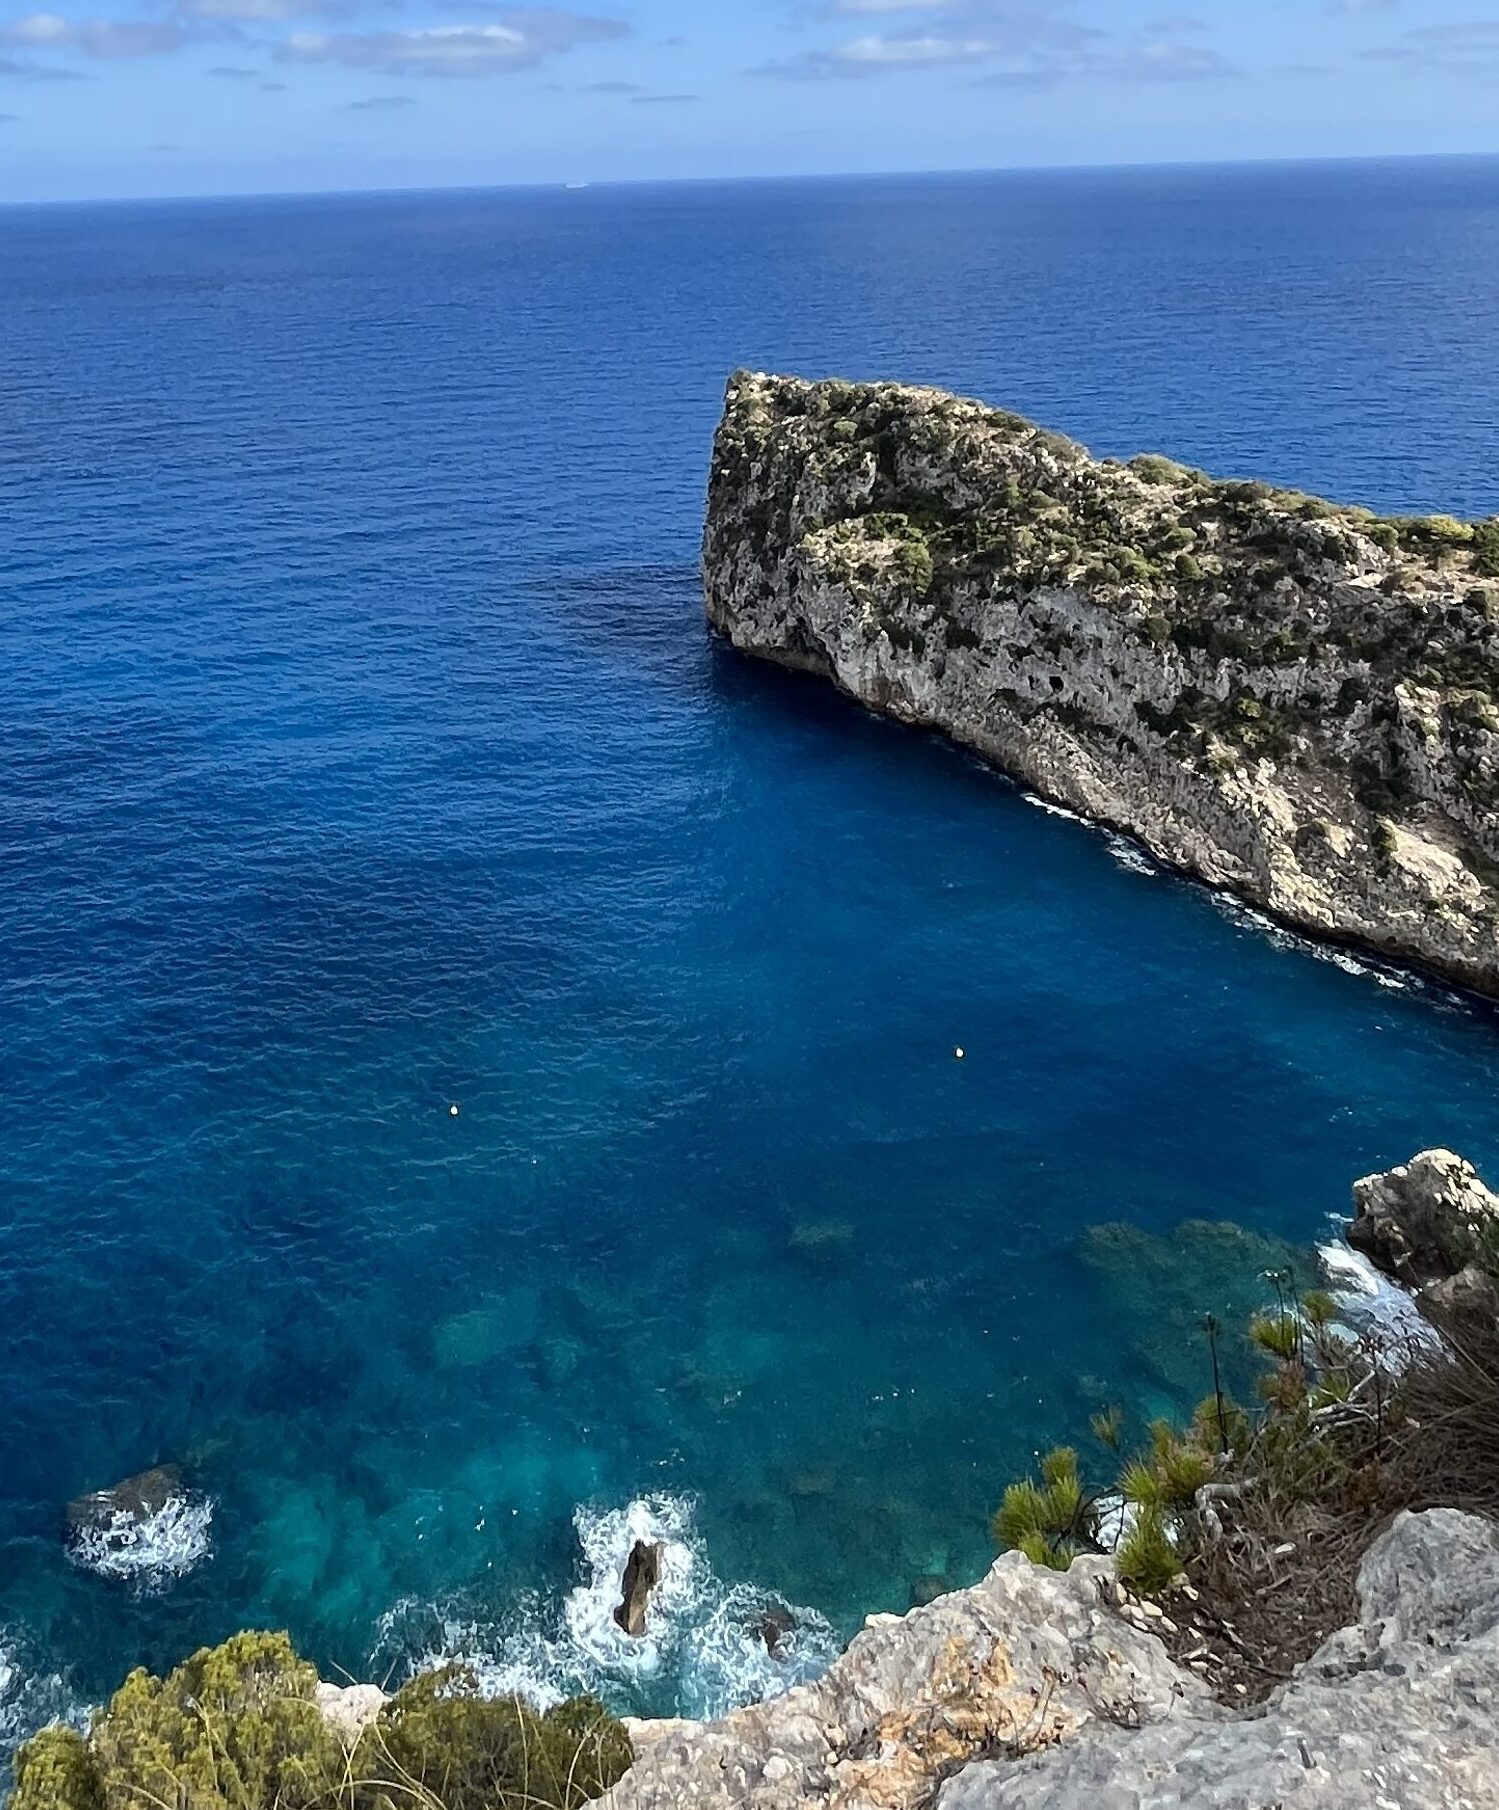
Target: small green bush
1147,1561
439,1743
1054,1517
235,1726
54,1772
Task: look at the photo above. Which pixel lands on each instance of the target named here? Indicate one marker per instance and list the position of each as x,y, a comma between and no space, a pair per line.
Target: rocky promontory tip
1293,699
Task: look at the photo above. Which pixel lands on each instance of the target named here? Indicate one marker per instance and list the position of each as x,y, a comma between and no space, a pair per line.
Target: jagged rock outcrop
1029,1692
642,1575
1026,1658
1427,1222
1291,699
1401,1710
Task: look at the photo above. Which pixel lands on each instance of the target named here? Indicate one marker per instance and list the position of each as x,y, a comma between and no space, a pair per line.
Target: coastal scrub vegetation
1245,1525
238,1727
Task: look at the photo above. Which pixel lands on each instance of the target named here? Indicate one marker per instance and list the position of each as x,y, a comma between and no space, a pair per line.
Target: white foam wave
30,1698
704,1652
1129,855
150,1551
1052,810
1282,938
1371,1303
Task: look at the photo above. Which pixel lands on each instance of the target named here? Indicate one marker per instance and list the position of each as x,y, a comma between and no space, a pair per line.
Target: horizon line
560,185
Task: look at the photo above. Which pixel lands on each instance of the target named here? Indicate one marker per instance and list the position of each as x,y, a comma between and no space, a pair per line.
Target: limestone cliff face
1035,1691
1291,699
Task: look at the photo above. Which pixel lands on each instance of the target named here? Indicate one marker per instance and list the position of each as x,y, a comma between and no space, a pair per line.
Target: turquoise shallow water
362,754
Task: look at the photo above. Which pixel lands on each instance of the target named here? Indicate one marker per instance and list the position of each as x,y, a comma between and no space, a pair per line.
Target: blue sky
167,97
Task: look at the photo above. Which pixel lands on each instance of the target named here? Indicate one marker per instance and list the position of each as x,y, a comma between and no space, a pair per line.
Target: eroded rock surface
1029,1692
1400,1712
1025,1658
1291,699
1426,1221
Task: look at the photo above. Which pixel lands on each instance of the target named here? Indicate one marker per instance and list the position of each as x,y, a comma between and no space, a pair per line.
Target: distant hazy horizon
788,178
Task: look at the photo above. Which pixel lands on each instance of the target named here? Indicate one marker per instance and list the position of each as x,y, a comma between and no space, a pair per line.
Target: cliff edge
1292,699
1040,1691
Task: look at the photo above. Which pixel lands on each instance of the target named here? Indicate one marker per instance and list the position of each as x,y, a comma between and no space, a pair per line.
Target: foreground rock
1024,1659
1029,1692
1427,1222
1400,1711
1291,699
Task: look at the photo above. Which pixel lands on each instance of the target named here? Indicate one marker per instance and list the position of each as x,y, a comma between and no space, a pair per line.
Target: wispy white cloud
380,103
514,41
96,37
1468,48
1034,45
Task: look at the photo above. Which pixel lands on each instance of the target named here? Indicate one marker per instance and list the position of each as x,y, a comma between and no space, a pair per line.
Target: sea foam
704,1651
148,1551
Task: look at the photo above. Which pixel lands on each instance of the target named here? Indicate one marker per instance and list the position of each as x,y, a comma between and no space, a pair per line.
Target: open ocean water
362,754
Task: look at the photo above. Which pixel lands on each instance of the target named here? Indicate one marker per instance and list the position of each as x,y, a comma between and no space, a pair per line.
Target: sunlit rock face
1293,699
1031,1692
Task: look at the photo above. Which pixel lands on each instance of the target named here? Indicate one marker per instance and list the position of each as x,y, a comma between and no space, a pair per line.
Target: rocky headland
1292,699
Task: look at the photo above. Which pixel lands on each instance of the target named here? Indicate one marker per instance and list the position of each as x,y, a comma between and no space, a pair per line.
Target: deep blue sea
363,755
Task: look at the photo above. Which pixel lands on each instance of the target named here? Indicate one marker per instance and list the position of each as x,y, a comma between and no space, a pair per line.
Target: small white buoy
960,1052
452,1112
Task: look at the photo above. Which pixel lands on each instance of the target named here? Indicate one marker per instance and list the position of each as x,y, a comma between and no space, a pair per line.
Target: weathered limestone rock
1029,1693
1025,1658
348,1710
642,1574
1291,699
1400,1711
1425,1220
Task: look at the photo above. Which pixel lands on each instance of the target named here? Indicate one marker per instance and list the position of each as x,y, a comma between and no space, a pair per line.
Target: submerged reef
1293,699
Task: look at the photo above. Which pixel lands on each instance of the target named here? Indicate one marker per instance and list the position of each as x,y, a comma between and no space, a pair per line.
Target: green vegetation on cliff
1294,698
238,1727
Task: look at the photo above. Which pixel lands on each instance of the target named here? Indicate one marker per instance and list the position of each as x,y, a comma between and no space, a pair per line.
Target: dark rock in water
1426,1220
928,1588
775,1623
135,1500
642,1574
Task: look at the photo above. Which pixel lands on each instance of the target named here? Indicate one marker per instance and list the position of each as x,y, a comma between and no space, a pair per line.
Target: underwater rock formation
1292,699
1031,1692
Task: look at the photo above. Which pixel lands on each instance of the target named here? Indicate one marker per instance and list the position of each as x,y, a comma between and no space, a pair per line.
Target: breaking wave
149,1551
709,1647
1282,938
30,1698
1371,1303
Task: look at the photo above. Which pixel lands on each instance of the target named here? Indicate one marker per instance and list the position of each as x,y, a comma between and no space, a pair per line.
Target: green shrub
1147,1561
1277,1335
1486,548
234,1726
1054,1516
237,1727
54,1772
439,1743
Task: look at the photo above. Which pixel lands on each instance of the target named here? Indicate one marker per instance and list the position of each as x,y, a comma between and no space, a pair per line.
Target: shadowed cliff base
1292,699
